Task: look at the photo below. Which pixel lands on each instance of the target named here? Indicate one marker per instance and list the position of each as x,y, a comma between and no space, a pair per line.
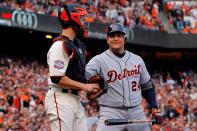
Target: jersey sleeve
145,76
92,68
57,59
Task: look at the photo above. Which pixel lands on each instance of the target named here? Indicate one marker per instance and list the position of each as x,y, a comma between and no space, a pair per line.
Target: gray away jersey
123,77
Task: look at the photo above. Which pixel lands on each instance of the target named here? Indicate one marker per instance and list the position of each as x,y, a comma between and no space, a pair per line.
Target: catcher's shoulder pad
68,48
66,45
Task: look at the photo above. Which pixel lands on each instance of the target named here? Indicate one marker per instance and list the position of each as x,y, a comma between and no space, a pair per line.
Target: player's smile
116,42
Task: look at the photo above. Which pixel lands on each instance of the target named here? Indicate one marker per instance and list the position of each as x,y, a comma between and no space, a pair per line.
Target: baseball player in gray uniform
126,79
66,60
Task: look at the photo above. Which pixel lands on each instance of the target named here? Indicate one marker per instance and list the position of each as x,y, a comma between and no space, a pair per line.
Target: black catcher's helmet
74,15
116,27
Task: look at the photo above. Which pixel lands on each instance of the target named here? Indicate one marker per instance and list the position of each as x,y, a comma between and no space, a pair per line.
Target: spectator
115,11
177,103
111,13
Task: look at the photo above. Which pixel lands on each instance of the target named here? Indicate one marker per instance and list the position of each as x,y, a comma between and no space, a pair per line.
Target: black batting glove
156,116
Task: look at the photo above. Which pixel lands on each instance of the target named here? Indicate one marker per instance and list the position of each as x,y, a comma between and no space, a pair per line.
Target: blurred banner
29,20
46,23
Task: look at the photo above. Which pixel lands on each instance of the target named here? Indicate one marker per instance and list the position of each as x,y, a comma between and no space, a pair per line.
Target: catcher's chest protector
76,51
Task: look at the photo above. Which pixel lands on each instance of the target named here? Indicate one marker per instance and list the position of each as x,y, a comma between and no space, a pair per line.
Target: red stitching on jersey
57,112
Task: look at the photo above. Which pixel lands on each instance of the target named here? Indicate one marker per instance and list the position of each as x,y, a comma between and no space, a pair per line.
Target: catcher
66,60
126,80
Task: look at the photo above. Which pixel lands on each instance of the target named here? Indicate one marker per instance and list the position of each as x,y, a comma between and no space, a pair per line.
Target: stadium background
170,57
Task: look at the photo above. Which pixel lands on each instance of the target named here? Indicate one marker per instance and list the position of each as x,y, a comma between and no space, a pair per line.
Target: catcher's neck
69,32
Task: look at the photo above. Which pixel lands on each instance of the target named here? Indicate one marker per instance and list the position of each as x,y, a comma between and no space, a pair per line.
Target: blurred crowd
23,84
141,13
177,98
183,15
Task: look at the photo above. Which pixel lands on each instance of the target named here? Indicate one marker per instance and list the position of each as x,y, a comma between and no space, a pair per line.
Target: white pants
65,111
113,113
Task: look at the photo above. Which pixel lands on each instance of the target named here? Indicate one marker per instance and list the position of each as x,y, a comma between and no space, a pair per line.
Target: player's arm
72,84
92,68
67,83
58,59
148,92
147,87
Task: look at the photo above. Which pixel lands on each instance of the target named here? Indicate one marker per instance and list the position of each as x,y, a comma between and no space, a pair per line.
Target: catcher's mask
75,16
116,28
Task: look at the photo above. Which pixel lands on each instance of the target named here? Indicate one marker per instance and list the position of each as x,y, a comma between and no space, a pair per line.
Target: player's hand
156,116
91,88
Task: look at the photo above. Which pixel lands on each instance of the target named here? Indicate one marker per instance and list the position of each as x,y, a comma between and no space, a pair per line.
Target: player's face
116,42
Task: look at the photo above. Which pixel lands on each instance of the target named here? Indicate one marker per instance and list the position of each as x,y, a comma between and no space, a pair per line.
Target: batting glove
156,116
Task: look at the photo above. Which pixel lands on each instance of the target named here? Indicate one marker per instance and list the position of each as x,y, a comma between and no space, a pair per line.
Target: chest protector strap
76,51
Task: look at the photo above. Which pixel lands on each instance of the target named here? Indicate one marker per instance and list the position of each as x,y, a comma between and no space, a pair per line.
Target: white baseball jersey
57,60
123,77
64,109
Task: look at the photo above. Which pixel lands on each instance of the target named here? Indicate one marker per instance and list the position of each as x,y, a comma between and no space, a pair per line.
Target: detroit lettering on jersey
113,75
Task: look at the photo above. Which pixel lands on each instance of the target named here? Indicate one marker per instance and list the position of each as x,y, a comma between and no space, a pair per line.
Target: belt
74,92
121,108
